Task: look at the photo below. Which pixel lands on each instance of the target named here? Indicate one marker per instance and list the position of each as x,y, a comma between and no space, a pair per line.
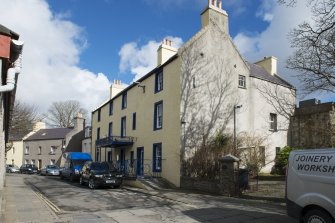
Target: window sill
156,129
272,130
241,87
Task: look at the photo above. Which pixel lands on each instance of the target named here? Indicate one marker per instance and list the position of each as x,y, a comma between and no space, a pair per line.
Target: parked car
50,170
28,168
100,174
73,163
12,168
310,185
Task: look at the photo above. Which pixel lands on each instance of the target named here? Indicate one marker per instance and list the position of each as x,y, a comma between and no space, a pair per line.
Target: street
70,202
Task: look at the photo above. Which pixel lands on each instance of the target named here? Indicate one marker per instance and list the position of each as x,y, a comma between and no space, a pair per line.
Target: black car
28,168
100,174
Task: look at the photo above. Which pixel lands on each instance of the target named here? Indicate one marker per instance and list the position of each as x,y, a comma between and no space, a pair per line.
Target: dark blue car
74,162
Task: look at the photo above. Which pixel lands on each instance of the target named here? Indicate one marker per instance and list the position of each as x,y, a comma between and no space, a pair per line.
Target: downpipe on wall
16,65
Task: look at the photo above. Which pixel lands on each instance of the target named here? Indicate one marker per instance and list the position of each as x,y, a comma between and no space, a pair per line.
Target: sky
74,49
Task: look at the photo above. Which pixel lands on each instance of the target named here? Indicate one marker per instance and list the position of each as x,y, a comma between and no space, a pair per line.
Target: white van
310,185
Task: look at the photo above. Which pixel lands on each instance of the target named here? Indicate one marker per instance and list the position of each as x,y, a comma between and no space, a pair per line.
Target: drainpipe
16,65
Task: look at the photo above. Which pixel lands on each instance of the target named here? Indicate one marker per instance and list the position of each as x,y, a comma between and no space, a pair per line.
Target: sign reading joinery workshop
315,163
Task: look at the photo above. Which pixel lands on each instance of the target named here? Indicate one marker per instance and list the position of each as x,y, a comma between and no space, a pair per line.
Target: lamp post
235,141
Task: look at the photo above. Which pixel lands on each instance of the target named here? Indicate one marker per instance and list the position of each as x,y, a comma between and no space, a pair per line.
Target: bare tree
281,99
208,93
253,151
61,114
23,119
314,45
24,116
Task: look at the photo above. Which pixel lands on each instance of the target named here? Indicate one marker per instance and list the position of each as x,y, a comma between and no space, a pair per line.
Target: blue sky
108,25
74,49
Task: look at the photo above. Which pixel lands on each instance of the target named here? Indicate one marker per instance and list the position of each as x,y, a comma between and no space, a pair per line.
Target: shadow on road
235,215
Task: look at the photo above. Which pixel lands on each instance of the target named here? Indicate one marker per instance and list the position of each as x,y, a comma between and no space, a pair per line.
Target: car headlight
99,176
76,171
119,175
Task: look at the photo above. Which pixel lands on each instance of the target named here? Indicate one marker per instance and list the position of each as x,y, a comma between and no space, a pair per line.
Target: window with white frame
52,162
26,161
13,150
26,150
159,82
39,150
158,116
124,100
52,150
262,155
241,81
157,157
33,162
273,122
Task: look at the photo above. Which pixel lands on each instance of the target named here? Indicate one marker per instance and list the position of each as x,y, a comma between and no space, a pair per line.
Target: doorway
140,161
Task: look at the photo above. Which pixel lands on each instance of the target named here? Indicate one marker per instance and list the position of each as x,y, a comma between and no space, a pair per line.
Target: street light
235,141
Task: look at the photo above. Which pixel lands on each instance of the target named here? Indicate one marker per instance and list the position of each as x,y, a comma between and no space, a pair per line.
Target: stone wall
314,126
210,186
227,183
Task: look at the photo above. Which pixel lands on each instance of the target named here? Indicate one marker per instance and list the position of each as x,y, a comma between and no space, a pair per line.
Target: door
140,161
109,157
39,164
122,159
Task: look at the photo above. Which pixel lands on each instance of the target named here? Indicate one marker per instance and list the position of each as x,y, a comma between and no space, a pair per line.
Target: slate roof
260,73
17,137
7,32
49,134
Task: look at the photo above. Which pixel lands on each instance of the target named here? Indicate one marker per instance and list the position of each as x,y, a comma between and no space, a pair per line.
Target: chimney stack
214,12
38,126
116,88
269,64
165,52
79,121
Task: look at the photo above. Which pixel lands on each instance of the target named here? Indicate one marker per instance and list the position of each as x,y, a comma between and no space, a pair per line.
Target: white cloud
50,58
273,41
139,60
265,11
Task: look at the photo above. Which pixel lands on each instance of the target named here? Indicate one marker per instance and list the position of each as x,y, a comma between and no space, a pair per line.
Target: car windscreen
100,166
78,162
52,167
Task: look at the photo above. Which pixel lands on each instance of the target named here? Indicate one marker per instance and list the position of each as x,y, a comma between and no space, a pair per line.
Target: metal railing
115,141
133,169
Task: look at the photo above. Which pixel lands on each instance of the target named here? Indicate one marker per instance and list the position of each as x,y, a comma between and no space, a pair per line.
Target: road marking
43,198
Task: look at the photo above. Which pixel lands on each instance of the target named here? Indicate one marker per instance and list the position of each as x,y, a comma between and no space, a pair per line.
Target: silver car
12,168
50,170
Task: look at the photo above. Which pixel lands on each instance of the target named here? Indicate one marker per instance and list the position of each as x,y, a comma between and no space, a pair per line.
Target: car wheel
61,176
116,186
81,182
71,178
91,184
317,216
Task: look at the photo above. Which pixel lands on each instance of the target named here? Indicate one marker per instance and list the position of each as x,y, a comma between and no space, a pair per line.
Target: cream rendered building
15,154
193,93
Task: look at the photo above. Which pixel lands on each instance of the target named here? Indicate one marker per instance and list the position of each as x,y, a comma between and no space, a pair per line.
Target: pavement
25,200
20,203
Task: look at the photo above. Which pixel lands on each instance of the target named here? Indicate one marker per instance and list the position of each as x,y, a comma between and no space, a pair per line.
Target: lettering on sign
324,163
